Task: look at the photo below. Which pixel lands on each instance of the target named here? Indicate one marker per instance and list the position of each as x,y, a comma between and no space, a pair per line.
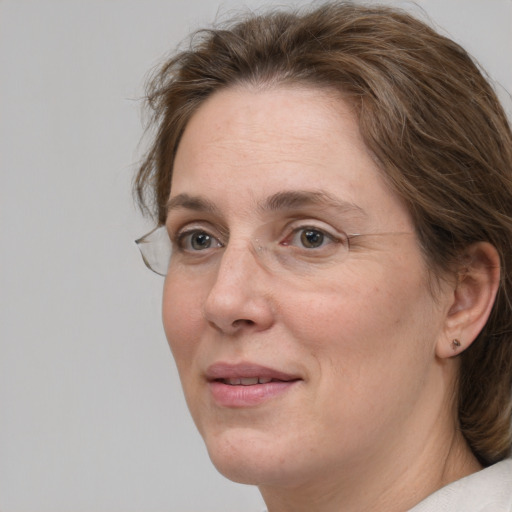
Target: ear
472,299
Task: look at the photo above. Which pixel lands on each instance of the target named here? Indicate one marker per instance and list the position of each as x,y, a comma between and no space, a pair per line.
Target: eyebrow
195,203
295,199
285,200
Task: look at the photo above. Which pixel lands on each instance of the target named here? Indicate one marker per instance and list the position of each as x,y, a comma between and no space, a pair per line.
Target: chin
250,457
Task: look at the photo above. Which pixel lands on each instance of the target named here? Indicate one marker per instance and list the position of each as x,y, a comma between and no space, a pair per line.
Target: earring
456,344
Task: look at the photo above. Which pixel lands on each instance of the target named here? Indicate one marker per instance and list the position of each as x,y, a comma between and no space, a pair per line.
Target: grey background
91,412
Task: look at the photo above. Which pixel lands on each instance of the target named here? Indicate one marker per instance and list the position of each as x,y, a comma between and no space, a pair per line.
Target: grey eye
200,241
312,238
197,240
309,237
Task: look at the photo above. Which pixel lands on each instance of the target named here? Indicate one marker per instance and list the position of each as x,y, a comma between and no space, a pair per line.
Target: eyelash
325,236
183,239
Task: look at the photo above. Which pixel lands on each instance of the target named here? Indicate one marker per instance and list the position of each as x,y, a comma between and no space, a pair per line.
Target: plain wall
91,412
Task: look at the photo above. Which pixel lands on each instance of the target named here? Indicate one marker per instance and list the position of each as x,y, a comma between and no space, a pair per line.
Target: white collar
489,490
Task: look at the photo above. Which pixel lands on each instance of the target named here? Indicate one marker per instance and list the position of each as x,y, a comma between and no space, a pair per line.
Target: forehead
244,145
277,126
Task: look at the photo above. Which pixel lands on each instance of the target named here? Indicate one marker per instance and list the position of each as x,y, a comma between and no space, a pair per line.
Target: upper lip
221,370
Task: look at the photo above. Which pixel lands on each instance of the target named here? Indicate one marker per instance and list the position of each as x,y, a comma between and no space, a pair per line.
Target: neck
402,486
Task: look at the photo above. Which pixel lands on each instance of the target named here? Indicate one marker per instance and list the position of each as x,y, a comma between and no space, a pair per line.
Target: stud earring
456,344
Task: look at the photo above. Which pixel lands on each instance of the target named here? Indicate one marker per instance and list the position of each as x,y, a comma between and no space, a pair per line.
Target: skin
371,422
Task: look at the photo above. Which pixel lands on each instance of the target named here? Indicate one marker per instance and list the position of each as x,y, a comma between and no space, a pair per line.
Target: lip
239,395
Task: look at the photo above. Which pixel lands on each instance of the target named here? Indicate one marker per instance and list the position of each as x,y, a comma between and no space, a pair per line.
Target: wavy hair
427,114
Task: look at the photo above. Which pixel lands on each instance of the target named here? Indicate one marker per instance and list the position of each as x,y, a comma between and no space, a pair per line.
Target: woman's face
299,360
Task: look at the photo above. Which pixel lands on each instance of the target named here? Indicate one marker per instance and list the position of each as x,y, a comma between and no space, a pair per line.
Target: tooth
249,381
233,382
264,380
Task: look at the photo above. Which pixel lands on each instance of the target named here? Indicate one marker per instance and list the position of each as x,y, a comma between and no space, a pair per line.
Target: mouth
247,385
248,381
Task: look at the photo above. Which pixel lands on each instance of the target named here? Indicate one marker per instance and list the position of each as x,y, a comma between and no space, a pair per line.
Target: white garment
489,490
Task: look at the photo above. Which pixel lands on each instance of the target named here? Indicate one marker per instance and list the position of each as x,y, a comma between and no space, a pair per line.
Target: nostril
238,323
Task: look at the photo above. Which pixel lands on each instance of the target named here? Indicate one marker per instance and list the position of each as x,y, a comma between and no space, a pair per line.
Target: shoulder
489,490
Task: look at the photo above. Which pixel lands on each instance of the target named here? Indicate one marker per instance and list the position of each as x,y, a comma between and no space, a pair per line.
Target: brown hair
426,113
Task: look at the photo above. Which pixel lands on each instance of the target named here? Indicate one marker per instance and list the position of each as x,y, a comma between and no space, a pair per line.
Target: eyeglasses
156,249
304,250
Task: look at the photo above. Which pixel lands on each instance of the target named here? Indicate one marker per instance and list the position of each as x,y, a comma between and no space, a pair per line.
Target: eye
197,240
309,237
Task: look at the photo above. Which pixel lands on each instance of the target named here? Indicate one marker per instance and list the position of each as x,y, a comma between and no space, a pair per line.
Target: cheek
182,320
369,352
369,322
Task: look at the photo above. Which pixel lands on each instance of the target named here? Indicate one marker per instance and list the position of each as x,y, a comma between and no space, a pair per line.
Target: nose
240,297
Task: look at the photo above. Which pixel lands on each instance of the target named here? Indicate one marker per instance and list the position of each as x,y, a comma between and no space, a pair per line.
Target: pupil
201,241
312,238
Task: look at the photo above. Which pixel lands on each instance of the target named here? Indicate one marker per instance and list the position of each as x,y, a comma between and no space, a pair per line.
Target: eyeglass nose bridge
247,255
264,254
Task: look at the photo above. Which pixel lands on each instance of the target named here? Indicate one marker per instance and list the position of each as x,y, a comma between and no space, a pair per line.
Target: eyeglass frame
163,229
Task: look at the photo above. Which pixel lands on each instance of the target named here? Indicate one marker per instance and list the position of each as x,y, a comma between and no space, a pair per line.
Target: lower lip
226,395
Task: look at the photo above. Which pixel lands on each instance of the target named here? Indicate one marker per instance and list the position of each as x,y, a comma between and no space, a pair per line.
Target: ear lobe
473,299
